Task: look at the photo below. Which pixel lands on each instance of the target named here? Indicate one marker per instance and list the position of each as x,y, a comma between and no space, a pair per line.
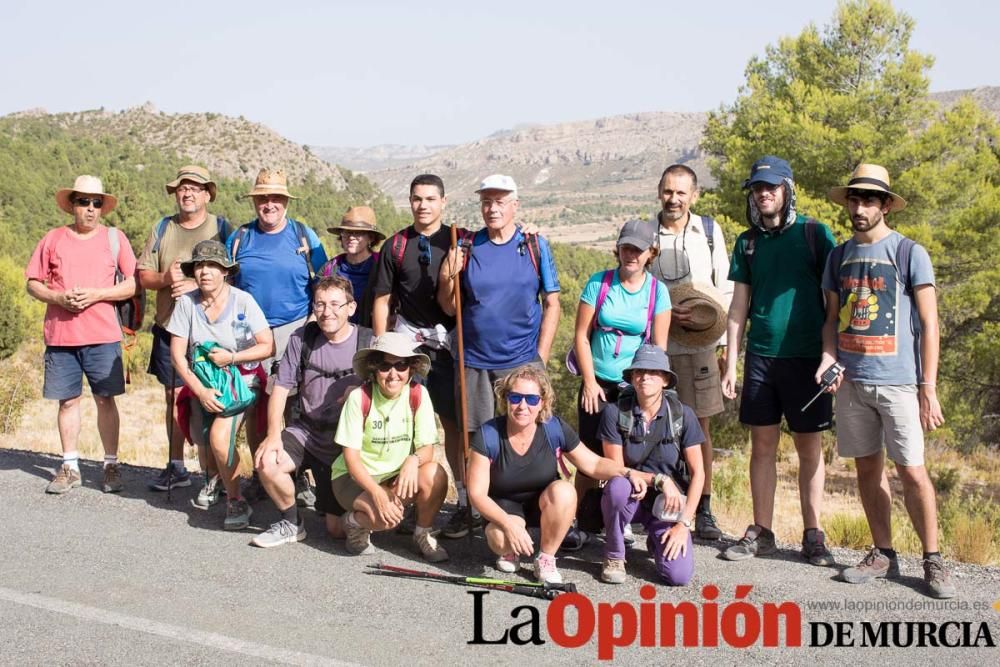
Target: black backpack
670,432
313,339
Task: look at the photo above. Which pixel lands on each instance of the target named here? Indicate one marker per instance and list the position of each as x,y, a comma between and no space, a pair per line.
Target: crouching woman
387,432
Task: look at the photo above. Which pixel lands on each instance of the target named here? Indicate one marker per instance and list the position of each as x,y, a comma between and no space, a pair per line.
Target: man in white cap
73,271
169,243
882,326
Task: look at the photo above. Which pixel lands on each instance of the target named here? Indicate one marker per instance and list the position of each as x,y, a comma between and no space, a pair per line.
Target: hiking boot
210,494
937,578
429,547
756,541
705,527
282,532
359,540
253,490
575,539
177,479
461,524
874,565
545,569
237,515
814,548
508,563
628,535
613,571
66,478
112,482
409,522
305,495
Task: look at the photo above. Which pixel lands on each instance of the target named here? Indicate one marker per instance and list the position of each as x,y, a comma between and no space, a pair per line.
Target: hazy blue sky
361,73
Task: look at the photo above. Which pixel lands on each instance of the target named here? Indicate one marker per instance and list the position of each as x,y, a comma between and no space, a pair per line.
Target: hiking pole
457,289
530,589
171,404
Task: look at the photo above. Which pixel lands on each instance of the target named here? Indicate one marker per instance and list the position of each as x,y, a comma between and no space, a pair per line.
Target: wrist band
928,384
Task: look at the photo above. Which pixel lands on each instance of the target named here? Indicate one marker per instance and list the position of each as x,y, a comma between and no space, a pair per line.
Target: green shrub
848,530
14,307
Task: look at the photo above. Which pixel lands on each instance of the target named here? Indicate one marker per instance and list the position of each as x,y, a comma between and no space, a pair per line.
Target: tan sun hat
195,174
358,219
271,182
708,314
868,177
396,344
86,185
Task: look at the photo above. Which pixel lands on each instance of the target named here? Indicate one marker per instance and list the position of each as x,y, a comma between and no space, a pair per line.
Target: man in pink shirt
73,271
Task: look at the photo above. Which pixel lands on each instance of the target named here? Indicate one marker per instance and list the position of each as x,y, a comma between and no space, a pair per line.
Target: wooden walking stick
457,288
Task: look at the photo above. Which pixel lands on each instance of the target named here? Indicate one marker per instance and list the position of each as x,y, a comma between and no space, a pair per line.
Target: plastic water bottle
662,515
244,339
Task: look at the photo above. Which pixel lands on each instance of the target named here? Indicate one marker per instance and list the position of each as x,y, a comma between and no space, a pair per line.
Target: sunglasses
514,398
84,202
424,246
401,366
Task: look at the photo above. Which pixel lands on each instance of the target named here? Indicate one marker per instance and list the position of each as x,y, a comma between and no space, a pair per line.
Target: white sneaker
545,569
508,563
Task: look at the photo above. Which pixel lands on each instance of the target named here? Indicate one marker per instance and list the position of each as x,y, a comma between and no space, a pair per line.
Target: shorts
776,386
870,415
440,383
303,458
346,490
65,367
529,510
590,423
481,401
699,385
160,364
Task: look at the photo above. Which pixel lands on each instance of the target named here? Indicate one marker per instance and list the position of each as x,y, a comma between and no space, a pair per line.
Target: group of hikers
347,361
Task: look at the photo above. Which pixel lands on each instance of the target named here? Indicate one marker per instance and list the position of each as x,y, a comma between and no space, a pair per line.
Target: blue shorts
774,386
66,366
159,359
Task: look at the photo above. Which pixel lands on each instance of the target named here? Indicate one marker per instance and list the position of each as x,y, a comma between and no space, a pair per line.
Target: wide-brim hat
195,174
868,177
651,358
358,219
86,185
271,182
209,251
396,344
708,314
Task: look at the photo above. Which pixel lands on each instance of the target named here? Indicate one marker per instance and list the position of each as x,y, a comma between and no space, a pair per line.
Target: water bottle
662,515
244,339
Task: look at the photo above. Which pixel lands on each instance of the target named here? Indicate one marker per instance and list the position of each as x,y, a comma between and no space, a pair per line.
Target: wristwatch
685,522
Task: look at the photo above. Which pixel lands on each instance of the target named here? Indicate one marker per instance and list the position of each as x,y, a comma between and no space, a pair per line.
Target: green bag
234,394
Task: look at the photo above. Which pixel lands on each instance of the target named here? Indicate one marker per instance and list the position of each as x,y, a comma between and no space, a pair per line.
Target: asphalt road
89,578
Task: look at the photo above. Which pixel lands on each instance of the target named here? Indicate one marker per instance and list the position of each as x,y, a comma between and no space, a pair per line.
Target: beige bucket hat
358,219
195,174
396,344
708,314
271,182
86,185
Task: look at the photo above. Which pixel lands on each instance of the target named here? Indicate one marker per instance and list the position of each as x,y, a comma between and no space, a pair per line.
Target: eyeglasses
681,263
500,203
424,246
514,398
400,366
190,189
84,202
333,305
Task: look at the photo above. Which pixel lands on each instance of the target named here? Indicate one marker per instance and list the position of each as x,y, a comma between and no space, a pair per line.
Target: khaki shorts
698,383
869,415
346,490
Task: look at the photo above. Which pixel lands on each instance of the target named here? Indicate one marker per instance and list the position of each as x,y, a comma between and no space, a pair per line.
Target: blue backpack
553,436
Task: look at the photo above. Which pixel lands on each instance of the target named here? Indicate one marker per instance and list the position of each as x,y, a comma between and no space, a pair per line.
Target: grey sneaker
429,547
112,482
705,527
613,571
66,478
282,532
210,494
462,522
937,578
359,540
814,548
305,496
575,539
238,514
757,541
875,565
176,480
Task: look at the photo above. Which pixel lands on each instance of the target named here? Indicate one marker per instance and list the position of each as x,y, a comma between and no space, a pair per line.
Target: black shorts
529,510
774,386
440,383
589,423
159,359
303,458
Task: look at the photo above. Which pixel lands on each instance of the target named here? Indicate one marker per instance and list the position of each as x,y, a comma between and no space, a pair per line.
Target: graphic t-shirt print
869,293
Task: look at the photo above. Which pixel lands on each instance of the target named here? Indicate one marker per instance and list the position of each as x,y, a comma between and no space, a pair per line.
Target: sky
351,73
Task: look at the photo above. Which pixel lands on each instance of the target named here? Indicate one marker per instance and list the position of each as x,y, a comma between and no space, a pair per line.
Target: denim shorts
160,364
65,367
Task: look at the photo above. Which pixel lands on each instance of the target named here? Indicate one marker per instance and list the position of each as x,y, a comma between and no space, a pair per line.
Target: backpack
554,438
161,228
397,244
811,229
300,232
416,395
312,339
130,311
903,251
673,427
234,395
365,300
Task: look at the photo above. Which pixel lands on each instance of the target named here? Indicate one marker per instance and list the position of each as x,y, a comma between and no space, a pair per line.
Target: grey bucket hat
209,251
651,358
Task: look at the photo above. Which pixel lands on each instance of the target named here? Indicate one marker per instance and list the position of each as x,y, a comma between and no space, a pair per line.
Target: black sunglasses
424,246
400,366
83,201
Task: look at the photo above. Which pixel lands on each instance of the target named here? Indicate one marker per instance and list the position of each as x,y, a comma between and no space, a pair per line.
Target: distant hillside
376,157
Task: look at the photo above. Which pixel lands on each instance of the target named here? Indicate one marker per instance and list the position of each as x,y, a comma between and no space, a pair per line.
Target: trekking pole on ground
530,589
457,288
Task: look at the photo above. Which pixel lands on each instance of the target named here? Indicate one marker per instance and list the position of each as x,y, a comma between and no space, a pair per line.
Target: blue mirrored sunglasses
514,398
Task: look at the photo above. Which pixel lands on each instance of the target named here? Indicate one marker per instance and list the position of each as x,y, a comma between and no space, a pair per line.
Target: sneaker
814,548
177,479
461,524
359,540
874,565
757,541
429,547
613,571
305,496
112,479
210,494
253,490
508,563
237,514
937,578
575,539
628,535
409,522
705,527
545,570
66,478
282,532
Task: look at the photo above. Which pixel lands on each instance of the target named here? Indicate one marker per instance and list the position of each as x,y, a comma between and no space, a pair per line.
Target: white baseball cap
498,182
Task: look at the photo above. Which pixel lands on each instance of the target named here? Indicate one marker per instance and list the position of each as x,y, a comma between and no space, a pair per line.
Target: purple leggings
620,509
